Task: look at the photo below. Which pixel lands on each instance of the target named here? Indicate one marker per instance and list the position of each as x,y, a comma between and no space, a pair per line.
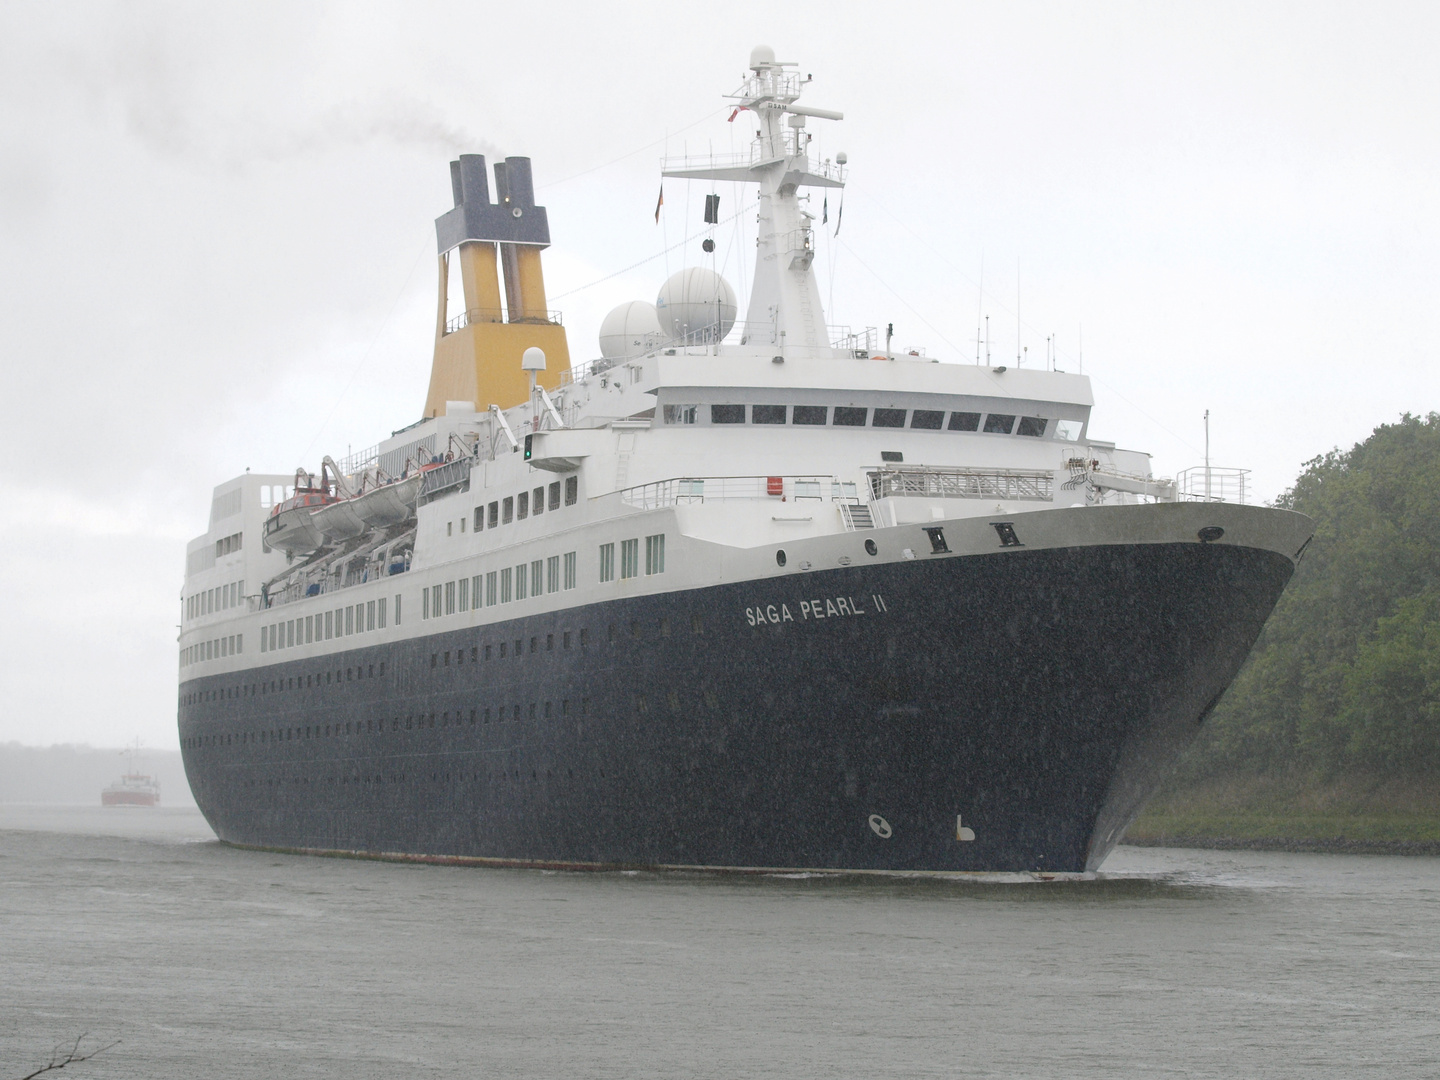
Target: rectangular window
424,603
522,581
435,593
552,574
999,423
397,609
727,414
1069,430
537,577
370,615
522,506
570,570
655,554
964,421
380,614
239,643
349,620
290,634
888,418
475,591
462,526
554,496
572,490
537,500
811,415
494,514
309,628
767,414
490,589
508,514
505,585
264,644
450,598
1034,426
272,637
680,414
927,419
629,559
850,416
479,518
607,562
462,603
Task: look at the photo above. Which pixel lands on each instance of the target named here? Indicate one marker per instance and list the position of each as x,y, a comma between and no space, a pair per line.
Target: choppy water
211,962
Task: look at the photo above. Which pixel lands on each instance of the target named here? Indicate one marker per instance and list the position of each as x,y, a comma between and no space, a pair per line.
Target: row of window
534,578
275,686
227,544
477,652
519,507
342,622
230,645
858,416
535,710
220,598
630,558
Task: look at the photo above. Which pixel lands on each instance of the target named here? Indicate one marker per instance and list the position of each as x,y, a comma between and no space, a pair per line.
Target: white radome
696,305
632,329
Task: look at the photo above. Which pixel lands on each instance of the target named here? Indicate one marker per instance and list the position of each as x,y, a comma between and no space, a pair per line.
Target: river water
211,962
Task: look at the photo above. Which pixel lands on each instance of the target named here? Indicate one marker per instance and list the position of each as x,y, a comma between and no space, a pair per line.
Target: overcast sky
217,246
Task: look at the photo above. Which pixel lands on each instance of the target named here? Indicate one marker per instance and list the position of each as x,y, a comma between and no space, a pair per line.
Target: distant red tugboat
134,788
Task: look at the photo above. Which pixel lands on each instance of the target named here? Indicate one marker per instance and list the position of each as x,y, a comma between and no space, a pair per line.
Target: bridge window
926,419
888,418
850,416
964,421
999,423
727,414
767,414
1033,426
812,415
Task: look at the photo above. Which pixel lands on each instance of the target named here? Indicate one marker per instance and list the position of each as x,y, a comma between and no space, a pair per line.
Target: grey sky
216,245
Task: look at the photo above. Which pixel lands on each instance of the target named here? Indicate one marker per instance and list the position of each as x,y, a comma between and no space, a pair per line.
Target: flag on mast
840,213
659,202
825,209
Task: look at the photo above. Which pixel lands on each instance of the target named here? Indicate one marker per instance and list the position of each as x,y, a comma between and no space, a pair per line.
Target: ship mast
785,309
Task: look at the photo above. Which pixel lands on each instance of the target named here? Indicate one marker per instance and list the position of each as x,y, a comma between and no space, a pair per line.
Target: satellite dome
696,305
761,57
630,330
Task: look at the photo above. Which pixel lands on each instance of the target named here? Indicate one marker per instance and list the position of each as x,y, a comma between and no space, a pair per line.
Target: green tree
1347,672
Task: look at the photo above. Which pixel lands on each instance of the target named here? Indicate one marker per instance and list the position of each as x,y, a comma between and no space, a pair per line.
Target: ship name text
835,607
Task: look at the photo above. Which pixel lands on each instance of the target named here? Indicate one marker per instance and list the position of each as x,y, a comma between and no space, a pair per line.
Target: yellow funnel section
477,353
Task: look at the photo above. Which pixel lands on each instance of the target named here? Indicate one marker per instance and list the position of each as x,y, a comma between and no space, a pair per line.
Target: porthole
780,557
870,548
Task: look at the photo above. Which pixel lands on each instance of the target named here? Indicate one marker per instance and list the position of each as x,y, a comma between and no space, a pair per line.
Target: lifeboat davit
291,525
389,504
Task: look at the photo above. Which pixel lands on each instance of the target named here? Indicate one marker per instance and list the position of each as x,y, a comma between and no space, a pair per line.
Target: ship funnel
478,349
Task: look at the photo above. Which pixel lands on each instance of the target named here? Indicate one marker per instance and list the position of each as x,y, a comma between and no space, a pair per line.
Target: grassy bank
1296,813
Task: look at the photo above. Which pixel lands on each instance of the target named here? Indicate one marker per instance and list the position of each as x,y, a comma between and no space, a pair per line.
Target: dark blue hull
1037,696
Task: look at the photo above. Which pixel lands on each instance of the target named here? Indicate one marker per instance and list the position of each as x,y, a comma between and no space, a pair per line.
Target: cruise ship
759,594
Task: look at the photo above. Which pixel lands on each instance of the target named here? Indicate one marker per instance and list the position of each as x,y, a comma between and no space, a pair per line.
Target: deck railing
1211,484
681,491
956,483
